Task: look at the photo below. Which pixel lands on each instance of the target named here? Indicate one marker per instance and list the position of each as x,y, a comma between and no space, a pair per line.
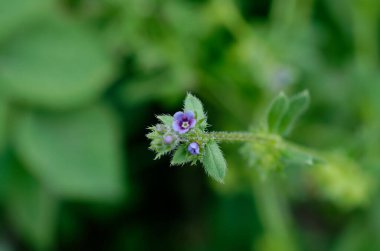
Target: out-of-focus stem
275,217
287,14
365,24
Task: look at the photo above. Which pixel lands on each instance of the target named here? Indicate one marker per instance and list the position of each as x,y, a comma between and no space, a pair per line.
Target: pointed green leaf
180,156
298,105
214,162
276,112
166,119
194,104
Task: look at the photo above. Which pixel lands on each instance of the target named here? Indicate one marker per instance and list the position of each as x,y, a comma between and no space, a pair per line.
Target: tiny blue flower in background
168,139
193,148
183,121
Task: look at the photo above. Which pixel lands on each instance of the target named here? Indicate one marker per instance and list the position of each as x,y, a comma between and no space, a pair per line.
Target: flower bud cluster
163,139
181,129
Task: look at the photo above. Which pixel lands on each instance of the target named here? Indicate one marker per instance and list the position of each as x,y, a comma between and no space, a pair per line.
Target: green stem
241,137
290,14
274,213
365,26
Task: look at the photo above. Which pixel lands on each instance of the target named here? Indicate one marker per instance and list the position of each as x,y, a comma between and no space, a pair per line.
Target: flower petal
190,115
193,148
182,131
192,123
178,115
176,126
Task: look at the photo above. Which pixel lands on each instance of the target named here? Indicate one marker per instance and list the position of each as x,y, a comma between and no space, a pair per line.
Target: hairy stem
241,137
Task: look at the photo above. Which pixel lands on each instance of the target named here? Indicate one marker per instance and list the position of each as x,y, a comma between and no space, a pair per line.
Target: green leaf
31,208
194,104
76,154
180,156
214,162
5,172
166,119
3,122
17,13
54,63
298,105
276,112
293,157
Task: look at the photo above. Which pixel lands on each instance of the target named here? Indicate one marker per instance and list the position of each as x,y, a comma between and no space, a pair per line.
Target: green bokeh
80,81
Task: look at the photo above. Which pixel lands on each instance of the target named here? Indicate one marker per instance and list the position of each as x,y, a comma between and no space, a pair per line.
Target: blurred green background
81,80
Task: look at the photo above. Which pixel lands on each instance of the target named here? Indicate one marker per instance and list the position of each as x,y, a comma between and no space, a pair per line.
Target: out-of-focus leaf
343,182
3,117
356,236
298,105
14,14
76,154
277,111
293,156
214,162
31,209
5,244
55,63
5,170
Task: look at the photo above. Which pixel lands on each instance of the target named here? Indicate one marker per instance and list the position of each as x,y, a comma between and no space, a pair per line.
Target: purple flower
183,122
193,148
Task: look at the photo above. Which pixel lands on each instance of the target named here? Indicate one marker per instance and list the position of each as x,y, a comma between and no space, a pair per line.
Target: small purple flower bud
183,121
193,148
168,139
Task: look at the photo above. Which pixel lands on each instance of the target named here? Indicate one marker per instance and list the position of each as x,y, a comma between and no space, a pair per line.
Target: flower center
185,124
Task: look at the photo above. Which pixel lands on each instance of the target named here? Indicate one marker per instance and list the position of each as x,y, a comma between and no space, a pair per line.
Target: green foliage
3,122
166,119
180,156
62,150
69,68
297,106
266,157
294,157
18,13
284,112
276,112
214,162
31,208
61,62
194,104
336,179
